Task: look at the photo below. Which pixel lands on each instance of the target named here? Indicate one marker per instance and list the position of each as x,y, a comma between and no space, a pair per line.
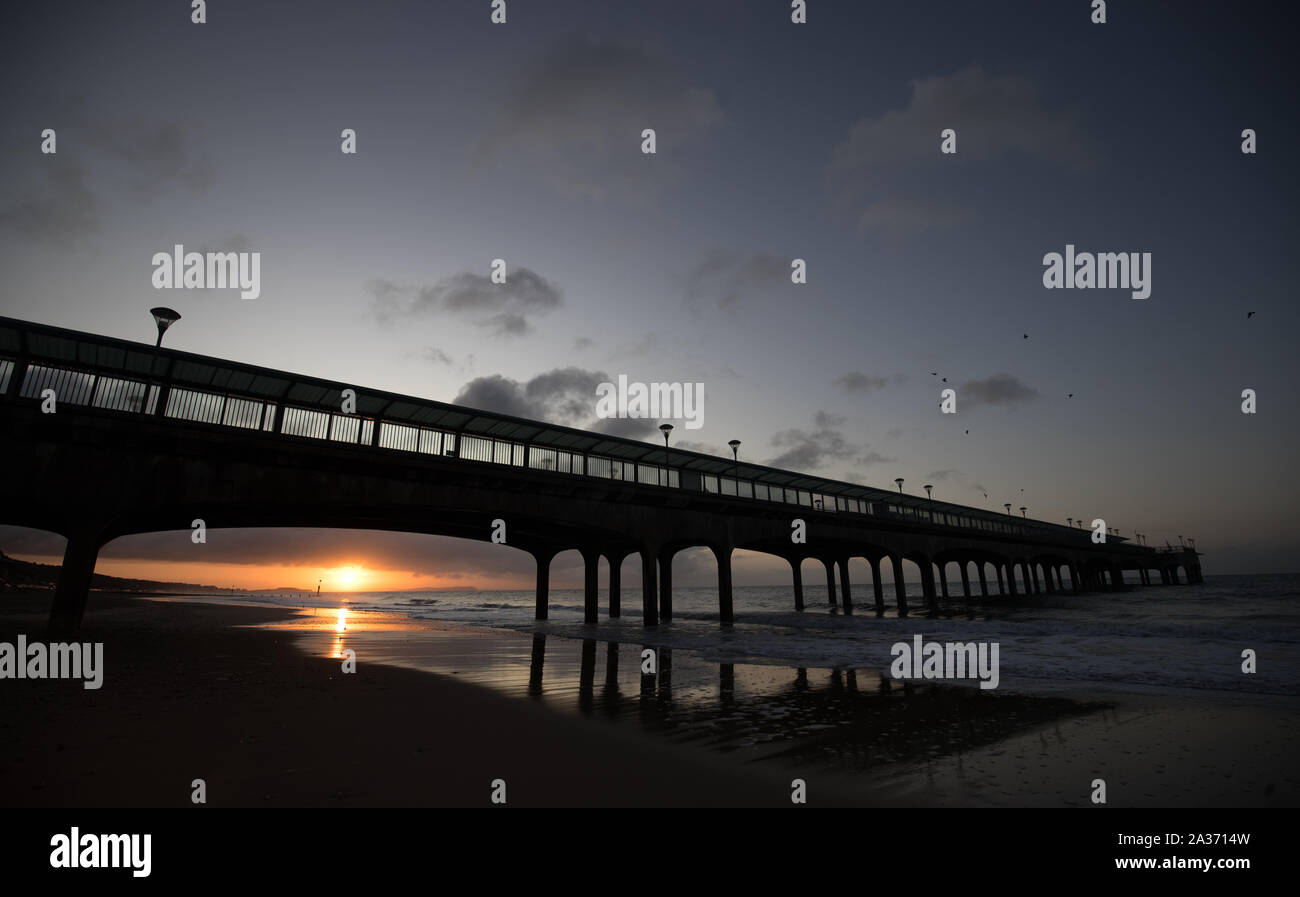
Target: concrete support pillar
1031,584
1117,575
927,584
1011,579
900,587
796,567
846,594
1033,578
1074,579
876,586
943,580
1002,589
649,606
984,585
1173,576
830,580
543,602
723,554
615,584
591,588
73,587
666,585
965,580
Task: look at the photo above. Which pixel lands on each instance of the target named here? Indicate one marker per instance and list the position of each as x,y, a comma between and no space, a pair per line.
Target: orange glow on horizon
348,577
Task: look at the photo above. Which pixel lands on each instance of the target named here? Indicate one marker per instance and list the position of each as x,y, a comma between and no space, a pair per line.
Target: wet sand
254,701
187,695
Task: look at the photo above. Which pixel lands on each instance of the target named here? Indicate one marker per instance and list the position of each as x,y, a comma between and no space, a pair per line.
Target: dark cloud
857,382
157,155
993,116
575,119
564,396
60,210
503,309
810,450
1000,389
874,458
725,278
63,199
435,356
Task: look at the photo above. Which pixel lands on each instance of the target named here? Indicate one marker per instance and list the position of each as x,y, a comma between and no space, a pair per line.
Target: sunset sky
775,141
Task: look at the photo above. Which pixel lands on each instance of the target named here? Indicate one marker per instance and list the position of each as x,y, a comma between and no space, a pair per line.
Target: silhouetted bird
1026,336
1070,396
968,433
934,373
945,379
1249,313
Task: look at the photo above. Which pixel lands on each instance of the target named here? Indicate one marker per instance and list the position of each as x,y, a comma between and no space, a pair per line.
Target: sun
347,579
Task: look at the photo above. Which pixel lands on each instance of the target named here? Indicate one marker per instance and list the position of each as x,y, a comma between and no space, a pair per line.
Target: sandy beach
254,701
188,695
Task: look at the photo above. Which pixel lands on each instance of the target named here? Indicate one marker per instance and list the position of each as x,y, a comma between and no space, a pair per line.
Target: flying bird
1249,313
945,379
1070,396
936,373
1026,336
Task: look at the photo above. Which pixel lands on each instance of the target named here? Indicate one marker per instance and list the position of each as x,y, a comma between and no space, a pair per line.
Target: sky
775,141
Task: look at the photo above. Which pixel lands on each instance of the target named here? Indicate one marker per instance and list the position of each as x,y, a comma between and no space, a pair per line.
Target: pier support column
591,587
666,585
943,580
830,580
1117,574
615,584
543,602
927,584
900,586
876,585
796,569
965,580
1033,578
73,587
1002,589
1173,576
649,605
723,554
1011,579
984,584
846,594
1074,579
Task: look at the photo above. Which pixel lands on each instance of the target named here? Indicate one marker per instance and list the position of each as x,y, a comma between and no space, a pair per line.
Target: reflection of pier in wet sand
848,718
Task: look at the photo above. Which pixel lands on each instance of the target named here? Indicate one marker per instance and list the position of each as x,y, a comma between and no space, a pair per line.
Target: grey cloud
576,116
811,450
858,382
900,216
993,115
60,212
157,155
1000,389
504,309
725,277
565,396
874,458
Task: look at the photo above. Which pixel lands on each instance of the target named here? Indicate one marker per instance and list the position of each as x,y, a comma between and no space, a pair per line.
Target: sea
1155,640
